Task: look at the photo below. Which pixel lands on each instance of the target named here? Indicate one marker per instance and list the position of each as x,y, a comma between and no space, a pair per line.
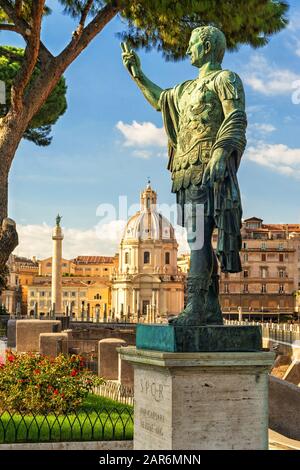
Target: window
105,269
281,273
263,288
281,257
245,245
280,246
82,294
226,288
245,257
97,297
146,304
245,290
167,258
73,294
146,257
226,275
65,294
126,257
42,293
264,272
32,294
246,273
281,289
48,265
65,265
263,257
42,303
263,246
32,303
148,203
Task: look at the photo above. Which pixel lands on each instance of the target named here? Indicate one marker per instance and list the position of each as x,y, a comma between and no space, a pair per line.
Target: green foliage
34,383
55,106
167,24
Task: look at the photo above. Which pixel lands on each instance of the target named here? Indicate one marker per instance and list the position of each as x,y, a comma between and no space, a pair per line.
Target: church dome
147,223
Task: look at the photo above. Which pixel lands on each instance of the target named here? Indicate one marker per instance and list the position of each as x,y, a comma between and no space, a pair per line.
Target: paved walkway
279,442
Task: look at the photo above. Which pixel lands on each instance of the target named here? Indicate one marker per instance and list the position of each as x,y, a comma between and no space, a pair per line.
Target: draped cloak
224,200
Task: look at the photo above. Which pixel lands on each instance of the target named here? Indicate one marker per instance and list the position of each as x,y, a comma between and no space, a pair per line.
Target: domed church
148,286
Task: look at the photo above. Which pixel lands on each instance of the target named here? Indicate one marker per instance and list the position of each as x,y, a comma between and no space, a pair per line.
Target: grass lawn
98,418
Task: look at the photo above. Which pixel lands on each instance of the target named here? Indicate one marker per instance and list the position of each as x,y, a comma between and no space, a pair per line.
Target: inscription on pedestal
152,416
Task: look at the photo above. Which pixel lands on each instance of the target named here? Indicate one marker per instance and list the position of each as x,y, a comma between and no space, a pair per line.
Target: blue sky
110,140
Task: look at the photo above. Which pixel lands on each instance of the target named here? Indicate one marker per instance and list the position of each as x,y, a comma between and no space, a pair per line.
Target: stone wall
28,333
284,406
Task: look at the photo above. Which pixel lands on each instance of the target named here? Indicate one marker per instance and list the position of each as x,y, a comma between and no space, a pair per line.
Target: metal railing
286,333
116,391
82,425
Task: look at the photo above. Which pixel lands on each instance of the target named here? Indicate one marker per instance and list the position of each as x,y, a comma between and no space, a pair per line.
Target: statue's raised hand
131,61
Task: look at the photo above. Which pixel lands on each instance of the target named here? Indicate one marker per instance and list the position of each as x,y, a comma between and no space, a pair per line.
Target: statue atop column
205,122
58,220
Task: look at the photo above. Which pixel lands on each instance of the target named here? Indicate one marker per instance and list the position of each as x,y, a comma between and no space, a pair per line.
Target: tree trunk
12,128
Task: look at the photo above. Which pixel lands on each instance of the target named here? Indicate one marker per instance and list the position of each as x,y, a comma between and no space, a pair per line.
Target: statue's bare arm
150,90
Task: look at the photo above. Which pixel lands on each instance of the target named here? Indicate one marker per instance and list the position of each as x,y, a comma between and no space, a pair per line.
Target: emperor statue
205,122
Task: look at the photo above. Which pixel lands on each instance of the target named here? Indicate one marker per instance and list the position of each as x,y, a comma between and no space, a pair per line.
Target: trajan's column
57,237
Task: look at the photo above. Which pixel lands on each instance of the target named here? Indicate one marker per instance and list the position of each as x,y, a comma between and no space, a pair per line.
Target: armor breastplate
200,117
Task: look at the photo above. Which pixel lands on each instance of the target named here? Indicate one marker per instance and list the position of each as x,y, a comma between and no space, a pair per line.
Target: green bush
35,383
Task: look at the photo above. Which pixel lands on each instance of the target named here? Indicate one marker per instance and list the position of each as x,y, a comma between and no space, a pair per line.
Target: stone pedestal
28,333
53,344
108,360
200,401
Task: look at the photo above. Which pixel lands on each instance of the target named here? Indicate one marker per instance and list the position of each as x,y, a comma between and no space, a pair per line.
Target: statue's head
207,44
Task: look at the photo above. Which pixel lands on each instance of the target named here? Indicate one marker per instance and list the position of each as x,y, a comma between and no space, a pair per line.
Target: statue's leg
199,278
213,309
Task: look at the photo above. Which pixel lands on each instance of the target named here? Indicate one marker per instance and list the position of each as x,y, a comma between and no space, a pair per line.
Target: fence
83,425
281,332
116,391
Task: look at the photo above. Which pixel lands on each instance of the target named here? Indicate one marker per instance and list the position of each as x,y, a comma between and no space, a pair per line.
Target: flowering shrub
34,383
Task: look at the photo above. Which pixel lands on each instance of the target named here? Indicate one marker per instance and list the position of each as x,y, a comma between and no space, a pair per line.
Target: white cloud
102,240
144,134
278,157
35,240
262,128
142,153
267,78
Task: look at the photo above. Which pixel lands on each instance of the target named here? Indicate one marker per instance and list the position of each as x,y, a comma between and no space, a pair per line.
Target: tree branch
24,28
30,56
83,18
18,7
36,95
76,45
9,27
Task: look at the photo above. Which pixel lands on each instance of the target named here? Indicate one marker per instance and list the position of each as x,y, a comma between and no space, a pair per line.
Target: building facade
88,296
148,285
269,280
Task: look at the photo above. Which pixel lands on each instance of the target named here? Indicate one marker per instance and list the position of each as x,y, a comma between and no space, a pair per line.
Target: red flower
11,358
74,373
55,392
37,371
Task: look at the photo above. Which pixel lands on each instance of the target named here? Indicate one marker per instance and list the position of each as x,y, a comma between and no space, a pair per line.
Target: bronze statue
58,220
205,122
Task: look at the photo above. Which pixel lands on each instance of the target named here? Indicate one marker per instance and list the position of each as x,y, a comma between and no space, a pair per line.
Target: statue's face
198,50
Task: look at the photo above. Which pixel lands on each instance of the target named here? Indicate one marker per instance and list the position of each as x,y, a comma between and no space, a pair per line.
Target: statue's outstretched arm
132,63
